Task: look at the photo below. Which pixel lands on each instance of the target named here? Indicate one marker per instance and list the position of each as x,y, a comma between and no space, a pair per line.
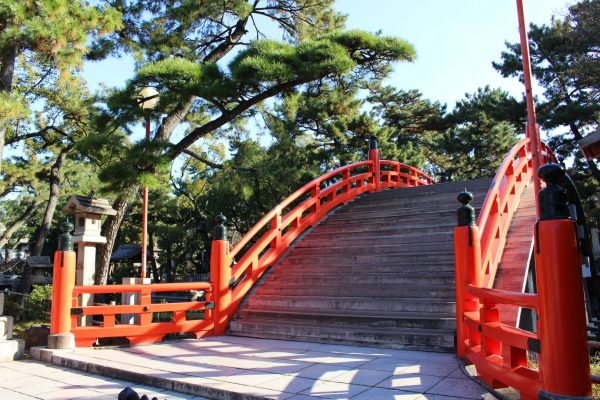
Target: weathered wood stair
378,271
512,269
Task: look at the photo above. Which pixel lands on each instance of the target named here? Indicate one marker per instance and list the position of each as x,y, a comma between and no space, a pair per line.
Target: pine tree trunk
37,244
153,262
18,223
7,71
110,228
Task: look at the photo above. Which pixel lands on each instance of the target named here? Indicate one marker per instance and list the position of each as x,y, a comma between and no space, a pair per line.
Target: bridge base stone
61,341
551,396
12,349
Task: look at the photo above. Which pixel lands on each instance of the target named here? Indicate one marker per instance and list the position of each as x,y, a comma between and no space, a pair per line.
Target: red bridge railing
499,351
239,269
233,271
502,200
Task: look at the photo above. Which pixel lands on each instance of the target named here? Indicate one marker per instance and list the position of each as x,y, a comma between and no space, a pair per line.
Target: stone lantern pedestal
88,213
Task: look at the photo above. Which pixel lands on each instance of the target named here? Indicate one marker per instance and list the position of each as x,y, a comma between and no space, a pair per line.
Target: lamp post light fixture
147,99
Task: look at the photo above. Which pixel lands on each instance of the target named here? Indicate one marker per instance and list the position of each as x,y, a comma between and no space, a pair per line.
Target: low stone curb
67,358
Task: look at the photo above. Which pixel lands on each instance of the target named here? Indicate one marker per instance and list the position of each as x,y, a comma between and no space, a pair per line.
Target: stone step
414,339
377,271
401,207
425,217
393,278
370,259
348,303
353,318
373,292
431,190
354,269
444,243
366,241
370,231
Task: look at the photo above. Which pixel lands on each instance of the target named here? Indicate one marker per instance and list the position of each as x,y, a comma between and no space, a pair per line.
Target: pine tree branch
223,119
213,164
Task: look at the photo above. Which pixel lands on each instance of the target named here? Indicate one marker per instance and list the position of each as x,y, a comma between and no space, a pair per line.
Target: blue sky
456,42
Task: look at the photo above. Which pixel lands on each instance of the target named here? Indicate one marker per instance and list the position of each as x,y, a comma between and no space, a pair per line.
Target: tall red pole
532,131
145,213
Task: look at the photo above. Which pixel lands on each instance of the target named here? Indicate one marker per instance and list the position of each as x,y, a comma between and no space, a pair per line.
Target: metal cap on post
372,142
65,240
466,214
220,228
553,199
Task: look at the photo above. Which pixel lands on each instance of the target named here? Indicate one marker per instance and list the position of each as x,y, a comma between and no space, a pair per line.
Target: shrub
37,306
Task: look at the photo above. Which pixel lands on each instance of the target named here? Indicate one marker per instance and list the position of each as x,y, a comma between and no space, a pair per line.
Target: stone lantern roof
85,204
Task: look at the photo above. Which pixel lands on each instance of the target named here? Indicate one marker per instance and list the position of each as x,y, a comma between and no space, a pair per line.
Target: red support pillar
467,252
63,282
564,359
374,156
220,276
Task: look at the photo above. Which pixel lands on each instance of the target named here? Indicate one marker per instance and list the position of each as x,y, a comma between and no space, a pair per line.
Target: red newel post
467,269
63,282
374,156
564,360
220,276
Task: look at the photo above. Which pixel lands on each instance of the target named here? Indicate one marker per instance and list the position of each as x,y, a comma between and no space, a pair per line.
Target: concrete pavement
28,380
228,367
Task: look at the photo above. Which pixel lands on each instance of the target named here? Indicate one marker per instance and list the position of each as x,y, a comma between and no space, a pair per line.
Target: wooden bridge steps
512,270
378,271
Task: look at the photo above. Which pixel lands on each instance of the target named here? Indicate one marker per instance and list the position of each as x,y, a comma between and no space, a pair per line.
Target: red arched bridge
371,254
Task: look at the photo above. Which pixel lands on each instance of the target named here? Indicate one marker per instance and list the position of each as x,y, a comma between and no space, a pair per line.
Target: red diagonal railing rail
273,234
502,199
500,351
234,271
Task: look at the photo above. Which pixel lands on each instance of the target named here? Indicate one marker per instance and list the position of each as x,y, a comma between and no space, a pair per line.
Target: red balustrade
274,233
143,330
502,200
500,352
234,271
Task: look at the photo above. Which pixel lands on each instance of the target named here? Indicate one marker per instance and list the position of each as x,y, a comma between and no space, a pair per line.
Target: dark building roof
129,253
39,262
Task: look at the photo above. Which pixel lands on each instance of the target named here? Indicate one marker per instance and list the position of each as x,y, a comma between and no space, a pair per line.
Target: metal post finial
220,228
65,240
372,142
466,213
553,199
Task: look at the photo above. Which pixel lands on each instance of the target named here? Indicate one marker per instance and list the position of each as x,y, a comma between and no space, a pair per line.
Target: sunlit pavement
21,380
230,367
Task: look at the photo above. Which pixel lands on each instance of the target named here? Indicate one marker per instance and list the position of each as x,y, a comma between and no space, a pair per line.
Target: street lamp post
148,99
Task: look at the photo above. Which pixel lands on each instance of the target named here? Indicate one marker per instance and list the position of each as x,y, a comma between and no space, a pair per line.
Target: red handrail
501,202
234,271
283,226
499,351
143,330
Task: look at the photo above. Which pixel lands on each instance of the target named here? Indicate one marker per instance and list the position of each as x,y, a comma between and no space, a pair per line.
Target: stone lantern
88,213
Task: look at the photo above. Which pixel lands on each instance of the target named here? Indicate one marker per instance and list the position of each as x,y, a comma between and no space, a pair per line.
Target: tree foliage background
246,116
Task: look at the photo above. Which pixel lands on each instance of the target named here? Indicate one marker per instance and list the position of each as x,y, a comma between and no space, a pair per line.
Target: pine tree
180,47
53,33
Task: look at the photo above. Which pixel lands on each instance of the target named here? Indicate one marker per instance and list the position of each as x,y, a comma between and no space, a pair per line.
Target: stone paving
24,380
228,367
